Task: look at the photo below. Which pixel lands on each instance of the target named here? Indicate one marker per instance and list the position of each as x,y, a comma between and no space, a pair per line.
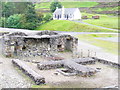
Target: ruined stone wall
11,45
35,47
22,45
64,42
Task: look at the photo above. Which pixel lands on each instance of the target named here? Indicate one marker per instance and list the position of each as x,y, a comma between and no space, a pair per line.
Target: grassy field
108,46
67,4
65,25
104,21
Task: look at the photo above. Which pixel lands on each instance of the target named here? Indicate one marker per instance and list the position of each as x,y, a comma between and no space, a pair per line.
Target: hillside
103,8
88,7
64,25
67,4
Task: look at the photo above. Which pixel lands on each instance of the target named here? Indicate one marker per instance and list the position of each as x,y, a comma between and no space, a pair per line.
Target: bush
15,21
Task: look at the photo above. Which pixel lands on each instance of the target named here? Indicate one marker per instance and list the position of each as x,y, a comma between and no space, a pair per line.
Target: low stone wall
74,65
116,65
80,69
58,64
84,61
50,65
38,79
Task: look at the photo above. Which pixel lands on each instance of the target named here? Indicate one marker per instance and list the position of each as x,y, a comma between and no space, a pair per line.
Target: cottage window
60,15
55,15
67,16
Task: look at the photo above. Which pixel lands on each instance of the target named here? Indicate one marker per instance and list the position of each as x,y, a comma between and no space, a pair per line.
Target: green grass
111,47
67,4
104,21
65,25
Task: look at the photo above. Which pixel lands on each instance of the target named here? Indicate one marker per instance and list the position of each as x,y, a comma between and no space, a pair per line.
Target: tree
2,22
47,17
20,15
11,8
7,9
14,21
40,16
31,16
53,6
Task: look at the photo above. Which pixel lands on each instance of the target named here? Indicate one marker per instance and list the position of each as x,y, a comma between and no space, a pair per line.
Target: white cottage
66,14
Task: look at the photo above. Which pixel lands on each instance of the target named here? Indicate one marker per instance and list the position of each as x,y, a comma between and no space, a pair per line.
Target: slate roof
66,10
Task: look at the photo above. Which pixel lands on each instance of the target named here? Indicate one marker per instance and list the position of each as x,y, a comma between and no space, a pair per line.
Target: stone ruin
45,43
71,67
65,67
41,43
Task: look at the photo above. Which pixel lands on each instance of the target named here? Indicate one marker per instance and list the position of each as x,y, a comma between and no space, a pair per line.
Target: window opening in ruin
23,48
59,46
68,44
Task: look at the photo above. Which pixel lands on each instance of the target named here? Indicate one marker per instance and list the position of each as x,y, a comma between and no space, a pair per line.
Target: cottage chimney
63,12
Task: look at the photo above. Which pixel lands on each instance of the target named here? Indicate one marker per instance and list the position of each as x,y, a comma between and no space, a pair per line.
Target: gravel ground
60,81
9,76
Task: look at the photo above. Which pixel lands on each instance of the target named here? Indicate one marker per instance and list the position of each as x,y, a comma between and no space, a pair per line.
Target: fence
84,53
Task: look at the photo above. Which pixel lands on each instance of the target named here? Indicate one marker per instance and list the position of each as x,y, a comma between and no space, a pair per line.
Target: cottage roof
66,10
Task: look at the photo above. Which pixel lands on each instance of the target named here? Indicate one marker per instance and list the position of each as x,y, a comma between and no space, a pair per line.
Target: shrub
14,21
